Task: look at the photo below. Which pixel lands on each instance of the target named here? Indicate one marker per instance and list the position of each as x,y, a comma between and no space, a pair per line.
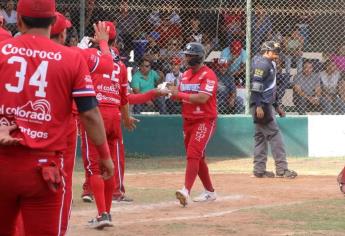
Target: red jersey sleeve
82,85
124,84
208,83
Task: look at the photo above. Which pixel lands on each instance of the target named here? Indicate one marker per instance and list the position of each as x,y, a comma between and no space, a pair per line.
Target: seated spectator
165,10
10,16
233,25
283,81
329,79
173,49
294,50
341,96
144,80
167,31
152,47
193,32
307,89
228,101
261,27
173,78
236,57
339,59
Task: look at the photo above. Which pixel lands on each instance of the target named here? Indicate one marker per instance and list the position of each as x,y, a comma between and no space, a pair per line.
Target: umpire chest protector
263,80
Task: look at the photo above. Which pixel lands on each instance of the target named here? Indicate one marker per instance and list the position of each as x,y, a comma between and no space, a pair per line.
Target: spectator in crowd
127,27
152,47
233,25
303,26
307,89
173,78
283,81
236,57
10,16
228,101
329,79
339,58
294,44
167,31
193,31
165,8
72,40
144,80
341,95
261,27
4,34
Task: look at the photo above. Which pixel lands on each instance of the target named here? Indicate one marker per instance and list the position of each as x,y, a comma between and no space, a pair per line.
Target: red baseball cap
112,29
60,24
36,8
236,47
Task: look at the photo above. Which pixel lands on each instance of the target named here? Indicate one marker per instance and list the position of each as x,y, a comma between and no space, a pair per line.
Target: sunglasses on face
147,66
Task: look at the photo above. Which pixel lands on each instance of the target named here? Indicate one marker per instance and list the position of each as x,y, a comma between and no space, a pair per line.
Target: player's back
38,78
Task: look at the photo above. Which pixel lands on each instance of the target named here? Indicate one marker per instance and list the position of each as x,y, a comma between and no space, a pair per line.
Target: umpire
263,103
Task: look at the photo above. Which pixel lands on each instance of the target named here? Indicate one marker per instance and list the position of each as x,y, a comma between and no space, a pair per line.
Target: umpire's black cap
271,46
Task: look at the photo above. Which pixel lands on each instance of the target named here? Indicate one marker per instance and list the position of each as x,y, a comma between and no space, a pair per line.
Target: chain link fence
311,69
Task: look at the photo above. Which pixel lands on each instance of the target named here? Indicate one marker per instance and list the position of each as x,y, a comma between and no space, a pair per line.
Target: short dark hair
31,22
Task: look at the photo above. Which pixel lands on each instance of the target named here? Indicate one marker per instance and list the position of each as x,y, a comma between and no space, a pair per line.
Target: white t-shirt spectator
10,19
171,78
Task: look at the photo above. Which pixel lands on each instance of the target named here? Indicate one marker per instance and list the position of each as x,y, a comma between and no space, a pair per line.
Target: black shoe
265,174
289,174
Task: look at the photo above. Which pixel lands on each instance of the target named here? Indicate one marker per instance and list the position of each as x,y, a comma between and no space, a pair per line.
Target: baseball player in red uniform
111,93
36,92
97,63
197,92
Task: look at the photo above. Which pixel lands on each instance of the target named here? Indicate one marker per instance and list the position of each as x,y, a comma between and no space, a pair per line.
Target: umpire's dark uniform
263,94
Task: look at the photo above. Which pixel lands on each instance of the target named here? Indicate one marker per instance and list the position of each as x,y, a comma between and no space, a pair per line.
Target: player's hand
162,92
259,112
173,90
107,167
101,32
280,111
130,123
5,137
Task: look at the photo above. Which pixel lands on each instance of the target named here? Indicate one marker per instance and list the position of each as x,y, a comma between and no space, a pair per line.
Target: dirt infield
237,211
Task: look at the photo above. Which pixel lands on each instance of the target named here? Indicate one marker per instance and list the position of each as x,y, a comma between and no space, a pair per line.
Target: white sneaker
183,196
206,196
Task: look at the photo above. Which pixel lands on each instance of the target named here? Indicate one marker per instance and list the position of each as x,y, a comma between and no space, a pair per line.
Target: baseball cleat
265,174
101,221
87,198
183,196
122,198
289,174
206,196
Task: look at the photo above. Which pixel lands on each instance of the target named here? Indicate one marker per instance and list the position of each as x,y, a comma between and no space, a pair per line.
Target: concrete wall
162,136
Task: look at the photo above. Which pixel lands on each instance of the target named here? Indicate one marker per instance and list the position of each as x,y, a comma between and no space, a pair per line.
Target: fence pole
82,19
248,49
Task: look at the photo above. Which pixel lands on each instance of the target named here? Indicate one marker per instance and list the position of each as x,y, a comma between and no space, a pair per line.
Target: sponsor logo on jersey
114,88
258,73
34,134
33,111
210,85
198,110
190,87
103,98
8,49
5,122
